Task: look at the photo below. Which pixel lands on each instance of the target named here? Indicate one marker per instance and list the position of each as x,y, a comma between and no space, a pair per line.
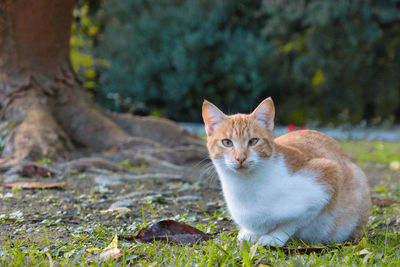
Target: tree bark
46,110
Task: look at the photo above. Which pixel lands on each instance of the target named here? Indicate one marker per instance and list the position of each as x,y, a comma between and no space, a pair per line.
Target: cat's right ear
211,116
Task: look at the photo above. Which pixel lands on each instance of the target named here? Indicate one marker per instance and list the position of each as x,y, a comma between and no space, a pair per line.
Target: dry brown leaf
108,253
105,254
34,170
33,185
383,202
172,232
111,151
3,160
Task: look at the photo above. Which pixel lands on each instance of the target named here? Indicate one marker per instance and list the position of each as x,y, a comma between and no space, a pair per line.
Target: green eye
227,143
253,141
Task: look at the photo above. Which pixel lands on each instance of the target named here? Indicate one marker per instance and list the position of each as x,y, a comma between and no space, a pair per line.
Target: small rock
136,194
119,212
16,215
394,165
121,204
109,179
188,198
11,177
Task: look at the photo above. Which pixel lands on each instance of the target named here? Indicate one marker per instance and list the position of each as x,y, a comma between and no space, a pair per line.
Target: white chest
270,195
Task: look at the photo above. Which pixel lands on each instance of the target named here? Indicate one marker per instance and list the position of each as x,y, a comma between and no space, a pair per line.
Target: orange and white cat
300,185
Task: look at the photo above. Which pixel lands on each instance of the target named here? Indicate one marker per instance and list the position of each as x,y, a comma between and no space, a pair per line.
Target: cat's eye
227,142
253,141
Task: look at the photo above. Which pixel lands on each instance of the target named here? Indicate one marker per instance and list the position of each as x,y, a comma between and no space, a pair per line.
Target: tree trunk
44,108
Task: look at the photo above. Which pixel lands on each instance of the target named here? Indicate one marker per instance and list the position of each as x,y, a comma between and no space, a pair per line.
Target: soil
190,193
94,184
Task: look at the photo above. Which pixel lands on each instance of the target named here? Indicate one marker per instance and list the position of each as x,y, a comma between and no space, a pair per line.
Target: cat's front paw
271,241
247,235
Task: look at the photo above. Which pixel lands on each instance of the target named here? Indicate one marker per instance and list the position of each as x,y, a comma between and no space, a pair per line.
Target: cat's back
310,144
348,211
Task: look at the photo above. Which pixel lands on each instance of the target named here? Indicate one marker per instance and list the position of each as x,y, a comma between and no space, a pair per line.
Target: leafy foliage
331,60
344,54
83,33
172,54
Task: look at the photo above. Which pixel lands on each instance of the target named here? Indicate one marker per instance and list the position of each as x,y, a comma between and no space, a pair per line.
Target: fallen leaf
114,242
34,170
121,211
172,232
394,165
104,254
108,253
3,160
33,185
111,151
111,251
383,202
364,252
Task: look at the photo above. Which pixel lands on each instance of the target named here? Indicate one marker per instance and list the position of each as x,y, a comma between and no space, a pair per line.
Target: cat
299,186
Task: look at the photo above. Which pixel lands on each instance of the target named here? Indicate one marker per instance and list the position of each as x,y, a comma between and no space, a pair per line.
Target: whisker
199,164
208,173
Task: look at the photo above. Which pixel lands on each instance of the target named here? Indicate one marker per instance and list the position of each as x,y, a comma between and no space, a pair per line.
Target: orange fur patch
241,128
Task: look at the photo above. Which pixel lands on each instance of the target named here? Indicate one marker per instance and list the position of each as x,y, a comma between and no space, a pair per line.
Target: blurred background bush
323,62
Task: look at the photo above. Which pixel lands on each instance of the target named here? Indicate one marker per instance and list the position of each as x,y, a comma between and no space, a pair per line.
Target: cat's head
240,142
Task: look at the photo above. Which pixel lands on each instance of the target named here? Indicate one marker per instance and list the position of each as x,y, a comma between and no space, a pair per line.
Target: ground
43,226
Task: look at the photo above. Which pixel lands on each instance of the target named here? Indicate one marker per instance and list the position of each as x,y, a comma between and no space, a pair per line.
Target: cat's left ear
265,113
211,116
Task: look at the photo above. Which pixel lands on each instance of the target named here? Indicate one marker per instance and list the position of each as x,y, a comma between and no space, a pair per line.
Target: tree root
91,164
36,137
159,130
44,134
51,122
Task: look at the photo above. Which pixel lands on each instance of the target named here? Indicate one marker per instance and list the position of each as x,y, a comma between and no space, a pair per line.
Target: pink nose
241,159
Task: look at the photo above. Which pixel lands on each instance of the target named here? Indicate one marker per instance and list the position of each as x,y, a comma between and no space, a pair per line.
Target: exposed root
89,164
175,156
47,127
37,136
88,127
148,161
118,179
159,130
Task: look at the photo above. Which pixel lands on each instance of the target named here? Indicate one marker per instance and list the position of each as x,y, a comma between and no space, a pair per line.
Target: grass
376,151
380,247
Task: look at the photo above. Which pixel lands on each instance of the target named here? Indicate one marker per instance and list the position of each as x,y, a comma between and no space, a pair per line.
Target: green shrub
326,61
345,55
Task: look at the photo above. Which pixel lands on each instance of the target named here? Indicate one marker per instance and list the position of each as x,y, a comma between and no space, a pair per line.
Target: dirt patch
120,198
118,195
